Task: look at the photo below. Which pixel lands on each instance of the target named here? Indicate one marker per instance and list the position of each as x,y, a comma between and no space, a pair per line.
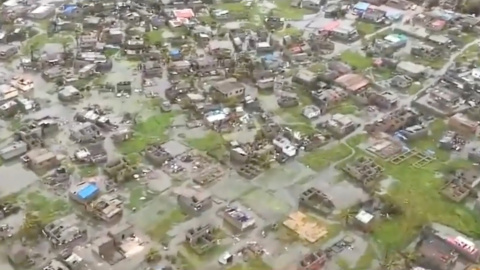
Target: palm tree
409,258
264,160
153,255
31,226
347,215
391,262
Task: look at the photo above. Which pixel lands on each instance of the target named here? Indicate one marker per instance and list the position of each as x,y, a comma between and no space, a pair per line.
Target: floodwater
15,177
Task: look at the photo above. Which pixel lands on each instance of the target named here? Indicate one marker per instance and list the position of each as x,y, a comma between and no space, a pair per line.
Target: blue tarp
268,58
175,52
361,6
87,192
69,9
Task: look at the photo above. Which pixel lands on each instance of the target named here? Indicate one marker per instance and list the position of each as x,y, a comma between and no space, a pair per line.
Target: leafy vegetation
365,28
209,142
252,264
320,159
356,60
285,10
159,231
146,132
346,107
40,40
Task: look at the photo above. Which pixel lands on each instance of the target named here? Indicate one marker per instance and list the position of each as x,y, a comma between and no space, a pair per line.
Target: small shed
88,192
361,7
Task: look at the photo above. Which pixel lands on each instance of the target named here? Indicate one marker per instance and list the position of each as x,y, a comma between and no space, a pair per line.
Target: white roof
364,217
216,117
263,45
42,9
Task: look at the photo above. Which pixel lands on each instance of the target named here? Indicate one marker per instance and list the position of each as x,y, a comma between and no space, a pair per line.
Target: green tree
347,215
391,261
153,255
31,227
409,258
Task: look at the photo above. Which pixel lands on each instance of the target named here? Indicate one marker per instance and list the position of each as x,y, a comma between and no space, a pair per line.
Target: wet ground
269,198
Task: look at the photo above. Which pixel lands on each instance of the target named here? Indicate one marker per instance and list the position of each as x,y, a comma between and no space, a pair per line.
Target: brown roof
352,82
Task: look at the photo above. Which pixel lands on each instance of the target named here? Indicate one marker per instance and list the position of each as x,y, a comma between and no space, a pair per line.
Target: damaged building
40,160
86,133
364,170
157,155
120,170
106,207
92,154
115,246
317,201
238,219
461,184
192,201
64,231
201,239
394,121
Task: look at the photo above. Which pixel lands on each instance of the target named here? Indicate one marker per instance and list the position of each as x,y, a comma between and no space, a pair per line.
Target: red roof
184,13
439,23
331,26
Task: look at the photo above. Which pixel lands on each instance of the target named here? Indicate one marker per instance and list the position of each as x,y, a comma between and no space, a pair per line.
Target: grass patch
213,144
88,171
346,107
320,159
252,264
46,209
159,231
470,54
38,41
435,63
197,260
468,37
289,31
317,67
368,257
294,114
139,195
416,192
437,128
380,35
241,11
356,60
303,128
146,132
209,142
154,36
285,10
414,88
364,28
207,19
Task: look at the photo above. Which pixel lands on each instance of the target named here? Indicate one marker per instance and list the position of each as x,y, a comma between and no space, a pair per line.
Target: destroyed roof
228,87
352,82
40,155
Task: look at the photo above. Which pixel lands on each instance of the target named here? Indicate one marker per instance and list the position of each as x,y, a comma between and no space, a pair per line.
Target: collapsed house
193,202
201,239
364,170
106,207
461,184
238,219
317,201
92,154
64,231
119,244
